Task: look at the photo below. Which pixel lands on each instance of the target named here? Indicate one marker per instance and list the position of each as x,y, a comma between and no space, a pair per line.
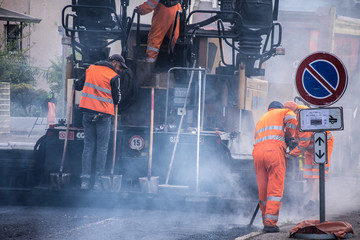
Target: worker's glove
291,143
291,157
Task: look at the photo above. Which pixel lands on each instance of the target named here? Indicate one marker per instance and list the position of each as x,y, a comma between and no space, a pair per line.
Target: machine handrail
195,26
88,6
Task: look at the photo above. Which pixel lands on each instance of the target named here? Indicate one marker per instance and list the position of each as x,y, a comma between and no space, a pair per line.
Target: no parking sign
321,79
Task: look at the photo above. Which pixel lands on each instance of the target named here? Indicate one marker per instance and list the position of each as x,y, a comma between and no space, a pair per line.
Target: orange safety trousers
270,167
311,170
162,24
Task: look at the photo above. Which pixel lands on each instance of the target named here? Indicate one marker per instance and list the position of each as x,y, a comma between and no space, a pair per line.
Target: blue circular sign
321,79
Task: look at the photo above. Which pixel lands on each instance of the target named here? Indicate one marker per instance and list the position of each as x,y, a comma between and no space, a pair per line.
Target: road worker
269,155
306,148
100,93
162,24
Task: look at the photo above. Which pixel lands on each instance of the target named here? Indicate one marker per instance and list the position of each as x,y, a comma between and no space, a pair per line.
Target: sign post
321,80
320,157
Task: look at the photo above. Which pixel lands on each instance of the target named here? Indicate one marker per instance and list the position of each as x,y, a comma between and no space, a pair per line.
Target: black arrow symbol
319,139
320,155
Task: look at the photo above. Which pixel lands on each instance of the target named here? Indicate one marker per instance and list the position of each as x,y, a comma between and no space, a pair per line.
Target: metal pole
63,73
322,191
198,136
203,103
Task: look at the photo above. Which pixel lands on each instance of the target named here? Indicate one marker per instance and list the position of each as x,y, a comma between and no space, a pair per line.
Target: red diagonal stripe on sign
320,79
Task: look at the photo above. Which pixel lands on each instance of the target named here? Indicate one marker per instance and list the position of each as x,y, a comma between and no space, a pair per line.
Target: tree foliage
53,76
14,68
25,99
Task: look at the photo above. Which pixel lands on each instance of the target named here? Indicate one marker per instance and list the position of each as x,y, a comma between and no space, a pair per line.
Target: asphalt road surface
126,224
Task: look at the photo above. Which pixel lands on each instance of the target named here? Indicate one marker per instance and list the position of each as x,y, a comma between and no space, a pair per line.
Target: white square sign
321,119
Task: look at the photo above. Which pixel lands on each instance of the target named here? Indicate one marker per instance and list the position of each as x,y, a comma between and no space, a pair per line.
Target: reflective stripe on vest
263,203
305,139
98,88
270,128
96,97
271,137
288,117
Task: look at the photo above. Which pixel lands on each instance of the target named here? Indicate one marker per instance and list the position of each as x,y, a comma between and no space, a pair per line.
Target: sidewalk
24,132
19,141
342,203
352,217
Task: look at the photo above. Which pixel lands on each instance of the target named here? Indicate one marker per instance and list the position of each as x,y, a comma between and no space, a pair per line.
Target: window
13,37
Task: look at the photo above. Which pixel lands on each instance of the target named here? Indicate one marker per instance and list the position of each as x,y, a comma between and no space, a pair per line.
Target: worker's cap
291,105
275,104
119,58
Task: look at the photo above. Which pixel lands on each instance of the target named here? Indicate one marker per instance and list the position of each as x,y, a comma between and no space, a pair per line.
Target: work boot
85,183
271,229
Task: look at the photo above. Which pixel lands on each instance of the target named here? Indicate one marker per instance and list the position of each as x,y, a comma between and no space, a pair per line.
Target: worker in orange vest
306,148
269,154
162,24
100,92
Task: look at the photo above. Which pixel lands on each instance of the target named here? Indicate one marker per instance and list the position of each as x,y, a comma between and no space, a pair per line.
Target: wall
45,40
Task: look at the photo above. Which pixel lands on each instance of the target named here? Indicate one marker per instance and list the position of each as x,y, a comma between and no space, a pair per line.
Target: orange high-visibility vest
96,94
274,124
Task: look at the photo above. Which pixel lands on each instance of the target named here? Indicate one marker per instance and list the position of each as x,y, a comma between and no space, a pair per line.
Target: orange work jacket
96,94
275,125
306,147
304,138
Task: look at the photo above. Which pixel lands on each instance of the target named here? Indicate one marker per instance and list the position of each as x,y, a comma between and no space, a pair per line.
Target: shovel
112,183
254,215
60,180
150,184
